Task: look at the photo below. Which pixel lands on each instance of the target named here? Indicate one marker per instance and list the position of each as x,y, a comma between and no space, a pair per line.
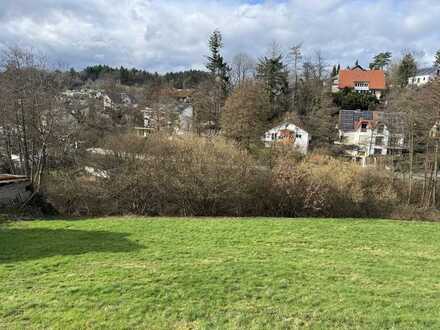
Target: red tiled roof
375,78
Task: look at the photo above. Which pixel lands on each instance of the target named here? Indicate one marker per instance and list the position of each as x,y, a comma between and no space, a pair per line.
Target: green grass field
221,274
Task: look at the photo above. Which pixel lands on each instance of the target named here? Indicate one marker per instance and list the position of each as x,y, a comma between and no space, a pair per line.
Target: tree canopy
381,60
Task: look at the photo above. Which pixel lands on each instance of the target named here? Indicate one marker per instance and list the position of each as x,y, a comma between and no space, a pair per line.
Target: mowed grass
219,274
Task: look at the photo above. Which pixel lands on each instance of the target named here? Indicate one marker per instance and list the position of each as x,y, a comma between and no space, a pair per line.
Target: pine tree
320,122
274,74
334,71
220,78
406,69
437,59
380,61
216,64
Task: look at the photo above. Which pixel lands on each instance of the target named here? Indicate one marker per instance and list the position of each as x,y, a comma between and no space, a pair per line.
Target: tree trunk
411,165
25,139
434,188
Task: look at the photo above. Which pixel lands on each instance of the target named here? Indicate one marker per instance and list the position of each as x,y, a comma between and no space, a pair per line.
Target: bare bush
324,186
195,176
179,176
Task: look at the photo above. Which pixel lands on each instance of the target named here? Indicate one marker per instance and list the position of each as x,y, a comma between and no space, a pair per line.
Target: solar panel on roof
394,120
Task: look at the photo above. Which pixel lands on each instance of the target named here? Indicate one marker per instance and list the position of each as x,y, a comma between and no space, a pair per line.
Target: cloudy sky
165,35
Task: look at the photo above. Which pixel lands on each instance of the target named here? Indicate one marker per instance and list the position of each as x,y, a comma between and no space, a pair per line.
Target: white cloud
167,35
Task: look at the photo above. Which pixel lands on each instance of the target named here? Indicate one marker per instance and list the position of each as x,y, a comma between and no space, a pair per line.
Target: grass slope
190,274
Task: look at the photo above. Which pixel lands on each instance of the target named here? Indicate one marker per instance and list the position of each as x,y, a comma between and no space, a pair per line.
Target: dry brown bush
324,186
173,176
194,176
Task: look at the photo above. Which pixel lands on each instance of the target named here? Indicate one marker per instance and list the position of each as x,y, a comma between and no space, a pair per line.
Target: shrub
324,186
193,176
178,176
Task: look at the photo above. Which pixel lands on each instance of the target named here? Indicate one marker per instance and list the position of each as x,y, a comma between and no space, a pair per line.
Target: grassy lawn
197,274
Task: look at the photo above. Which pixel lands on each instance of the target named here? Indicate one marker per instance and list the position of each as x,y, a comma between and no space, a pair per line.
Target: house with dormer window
360,80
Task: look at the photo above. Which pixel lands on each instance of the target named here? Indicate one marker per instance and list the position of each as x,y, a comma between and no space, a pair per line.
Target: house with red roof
360,80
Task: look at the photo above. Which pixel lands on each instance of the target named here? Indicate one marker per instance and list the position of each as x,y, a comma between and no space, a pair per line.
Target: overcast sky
166,35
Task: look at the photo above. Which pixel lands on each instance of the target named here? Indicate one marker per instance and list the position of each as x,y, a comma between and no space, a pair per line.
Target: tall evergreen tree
381,60
274,74
320,121
437,59
219,69
407,68
219,84
334,71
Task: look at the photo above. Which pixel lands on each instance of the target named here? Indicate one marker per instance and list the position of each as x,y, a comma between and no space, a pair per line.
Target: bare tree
296,57
320,65
33,112
243,68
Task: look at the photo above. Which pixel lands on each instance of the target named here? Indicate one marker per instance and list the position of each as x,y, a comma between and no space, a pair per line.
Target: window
364,127
380,129
361,84
298,136
274,136
377,151
379,141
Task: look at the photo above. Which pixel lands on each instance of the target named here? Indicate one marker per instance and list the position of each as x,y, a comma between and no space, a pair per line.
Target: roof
375,78
428,71
178,93
285,126
349,120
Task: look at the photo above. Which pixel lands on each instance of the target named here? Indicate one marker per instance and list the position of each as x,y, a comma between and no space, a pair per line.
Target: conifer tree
274,74
334,71
216,63
406,69
380,61
437,59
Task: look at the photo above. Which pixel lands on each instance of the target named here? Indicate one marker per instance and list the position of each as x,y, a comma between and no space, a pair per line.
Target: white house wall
301,141
366,141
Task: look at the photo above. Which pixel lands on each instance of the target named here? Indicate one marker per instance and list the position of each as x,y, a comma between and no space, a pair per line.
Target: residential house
289,134
176,106
424,76
360,80
180,95
148,122
370,134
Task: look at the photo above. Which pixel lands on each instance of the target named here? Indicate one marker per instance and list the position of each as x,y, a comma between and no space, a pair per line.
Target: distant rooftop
349,118
428,71
375,78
